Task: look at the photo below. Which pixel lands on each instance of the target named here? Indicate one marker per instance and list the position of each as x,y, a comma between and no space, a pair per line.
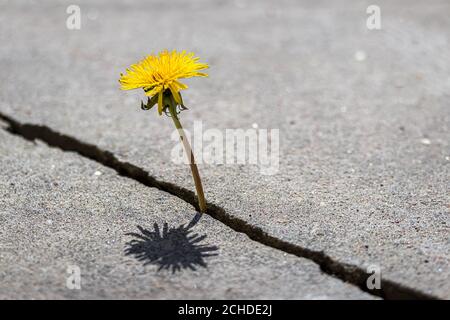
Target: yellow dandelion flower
158,73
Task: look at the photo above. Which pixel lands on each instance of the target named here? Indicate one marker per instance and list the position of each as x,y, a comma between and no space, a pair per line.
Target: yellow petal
154,91
180,86
162,69
175,93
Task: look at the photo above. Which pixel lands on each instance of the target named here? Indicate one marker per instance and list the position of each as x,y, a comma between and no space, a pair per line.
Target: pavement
65,214
364,166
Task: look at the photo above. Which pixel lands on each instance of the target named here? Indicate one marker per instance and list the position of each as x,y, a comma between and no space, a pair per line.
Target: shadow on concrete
172,249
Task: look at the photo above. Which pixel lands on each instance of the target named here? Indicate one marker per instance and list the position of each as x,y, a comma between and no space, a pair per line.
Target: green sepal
150,103
168,101
182,106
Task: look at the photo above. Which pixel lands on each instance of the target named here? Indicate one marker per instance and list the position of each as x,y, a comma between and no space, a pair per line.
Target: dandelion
159,76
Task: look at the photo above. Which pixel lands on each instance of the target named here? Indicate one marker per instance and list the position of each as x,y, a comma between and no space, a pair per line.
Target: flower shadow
174,248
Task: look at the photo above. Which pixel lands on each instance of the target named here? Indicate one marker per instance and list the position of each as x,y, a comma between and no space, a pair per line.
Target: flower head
158,75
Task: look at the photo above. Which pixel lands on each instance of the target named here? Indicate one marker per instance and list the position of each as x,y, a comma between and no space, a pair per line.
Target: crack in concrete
349,273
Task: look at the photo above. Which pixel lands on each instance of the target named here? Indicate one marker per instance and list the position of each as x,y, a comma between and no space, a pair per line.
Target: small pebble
360,55
98,173
425,141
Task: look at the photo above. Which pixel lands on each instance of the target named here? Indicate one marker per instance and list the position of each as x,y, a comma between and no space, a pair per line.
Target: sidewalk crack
349,273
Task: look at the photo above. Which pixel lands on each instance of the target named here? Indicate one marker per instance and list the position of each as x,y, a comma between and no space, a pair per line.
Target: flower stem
190,155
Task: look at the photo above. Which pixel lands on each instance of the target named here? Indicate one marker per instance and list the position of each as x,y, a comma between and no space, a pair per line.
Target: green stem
190,155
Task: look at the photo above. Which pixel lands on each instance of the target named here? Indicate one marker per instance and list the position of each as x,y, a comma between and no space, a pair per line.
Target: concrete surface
61,210
363,115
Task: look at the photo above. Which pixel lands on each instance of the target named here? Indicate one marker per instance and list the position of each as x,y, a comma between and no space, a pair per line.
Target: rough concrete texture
363,115
61,210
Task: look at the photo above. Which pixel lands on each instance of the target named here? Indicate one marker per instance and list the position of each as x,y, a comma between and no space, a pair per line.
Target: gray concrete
365,154
61,210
